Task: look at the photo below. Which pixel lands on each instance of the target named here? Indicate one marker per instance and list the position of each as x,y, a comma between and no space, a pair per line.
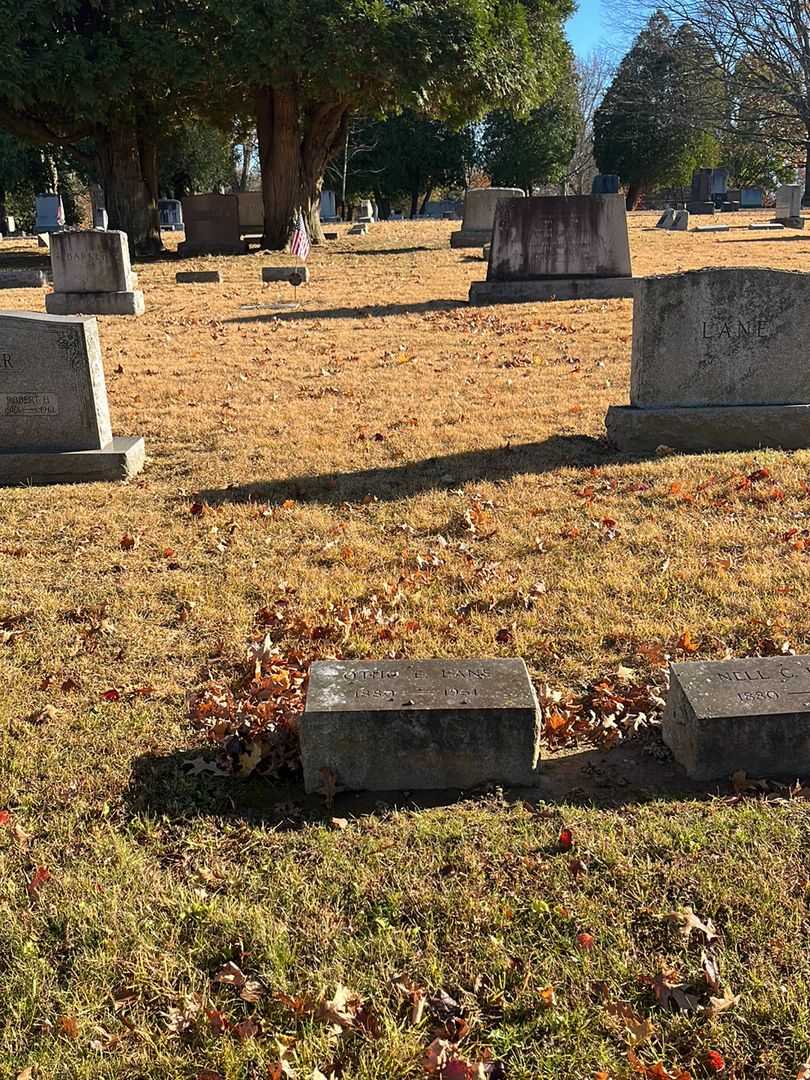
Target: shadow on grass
632,774
367,312
393,250
436,473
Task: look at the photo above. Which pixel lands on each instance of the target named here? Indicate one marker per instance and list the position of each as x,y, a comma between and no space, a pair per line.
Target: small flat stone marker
198,277
330,235
751,715
22,279
766,226
390,725
295,275
712,228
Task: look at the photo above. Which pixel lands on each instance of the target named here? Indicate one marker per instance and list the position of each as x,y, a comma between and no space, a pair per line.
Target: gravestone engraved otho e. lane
751,715
54,416
386,725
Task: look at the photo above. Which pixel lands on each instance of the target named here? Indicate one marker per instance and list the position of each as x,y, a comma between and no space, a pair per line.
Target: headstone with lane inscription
386,725
717,362
750,715
54,417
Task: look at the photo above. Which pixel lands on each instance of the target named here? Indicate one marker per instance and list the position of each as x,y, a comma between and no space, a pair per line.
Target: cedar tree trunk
127,168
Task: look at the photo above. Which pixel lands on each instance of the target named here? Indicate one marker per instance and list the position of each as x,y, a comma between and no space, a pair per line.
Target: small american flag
300,245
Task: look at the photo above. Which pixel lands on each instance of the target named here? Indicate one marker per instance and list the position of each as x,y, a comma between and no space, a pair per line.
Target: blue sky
586,29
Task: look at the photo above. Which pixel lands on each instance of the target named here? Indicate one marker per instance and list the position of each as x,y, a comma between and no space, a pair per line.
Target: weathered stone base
22,279
470,238
527,292
714,427
197,277
188,250
94,303
120,459
790,223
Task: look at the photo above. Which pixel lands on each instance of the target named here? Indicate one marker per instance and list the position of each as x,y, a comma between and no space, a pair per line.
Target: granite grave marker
420,724
479,215
717,362
54,417
92,274
557,248
751,715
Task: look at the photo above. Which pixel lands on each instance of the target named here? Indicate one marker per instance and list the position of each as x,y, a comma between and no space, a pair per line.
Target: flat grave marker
386,725
197,277
750,715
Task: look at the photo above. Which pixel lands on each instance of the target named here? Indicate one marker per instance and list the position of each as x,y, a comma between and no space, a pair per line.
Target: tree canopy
530,151
655,123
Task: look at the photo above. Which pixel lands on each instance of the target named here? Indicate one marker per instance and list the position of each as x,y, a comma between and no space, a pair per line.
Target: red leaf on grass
41,875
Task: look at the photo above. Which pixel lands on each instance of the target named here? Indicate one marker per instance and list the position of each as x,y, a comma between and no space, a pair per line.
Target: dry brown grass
384,433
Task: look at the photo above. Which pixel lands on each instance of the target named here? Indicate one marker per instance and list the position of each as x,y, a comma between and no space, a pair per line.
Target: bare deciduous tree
593,75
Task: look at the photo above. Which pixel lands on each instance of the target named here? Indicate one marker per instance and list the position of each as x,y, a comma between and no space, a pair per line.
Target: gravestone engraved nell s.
751,715
385,725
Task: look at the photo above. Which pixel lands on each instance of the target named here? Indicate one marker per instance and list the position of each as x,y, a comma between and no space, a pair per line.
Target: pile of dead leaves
604,713
252,717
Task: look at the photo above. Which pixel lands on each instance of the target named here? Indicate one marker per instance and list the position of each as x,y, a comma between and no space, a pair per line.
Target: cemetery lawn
387,471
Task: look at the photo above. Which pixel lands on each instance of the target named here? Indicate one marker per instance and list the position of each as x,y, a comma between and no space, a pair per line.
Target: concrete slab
95,303
118,460
198,277
528,292
23,279
714,427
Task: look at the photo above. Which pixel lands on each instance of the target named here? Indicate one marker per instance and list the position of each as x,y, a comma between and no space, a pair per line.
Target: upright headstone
170,212
718,183
328,208
789,206
92,275
701,201
718,362
751,198
212,226
11,225
750,715
479,215
251,213
605,184
365,211
100,218
557,247
54,418
680,222
382,725
50,213
666,219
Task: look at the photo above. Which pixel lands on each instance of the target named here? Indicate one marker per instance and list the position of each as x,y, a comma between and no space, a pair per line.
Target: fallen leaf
719,1005
339,823
69,1026
547,997
230,974
670,992
246,1029
566,839
689,923
714,1061
41,875
585,941
128,542
711,971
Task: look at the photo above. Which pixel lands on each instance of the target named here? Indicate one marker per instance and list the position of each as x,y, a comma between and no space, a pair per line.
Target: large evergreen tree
408,156
309,64
534,150
656,122
103,77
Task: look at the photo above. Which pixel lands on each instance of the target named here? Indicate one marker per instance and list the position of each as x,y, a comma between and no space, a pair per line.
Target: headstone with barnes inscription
479,215
557,247
54,418
749,715
92,274
718,363
388,725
